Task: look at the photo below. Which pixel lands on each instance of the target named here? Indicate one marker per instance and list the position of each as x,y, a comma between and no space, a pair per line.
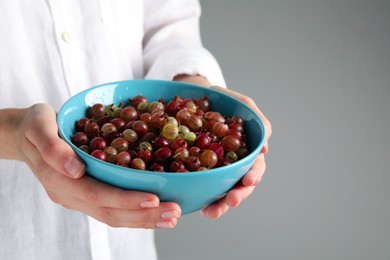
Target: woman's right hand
30,135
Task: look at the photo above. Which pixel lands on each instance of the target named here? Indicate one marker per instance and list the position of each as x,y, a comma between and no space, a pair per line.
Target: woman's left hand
253,177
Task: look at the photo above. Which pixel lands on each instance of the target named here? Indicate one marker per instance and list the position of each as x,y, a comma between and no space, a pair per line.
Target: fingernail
219,213
164,224
170,214
74,167
253,182
235,203
149,204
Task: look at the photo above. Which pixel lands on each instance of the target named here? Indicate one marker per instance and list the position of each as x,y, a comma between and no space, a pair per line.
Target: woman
51,50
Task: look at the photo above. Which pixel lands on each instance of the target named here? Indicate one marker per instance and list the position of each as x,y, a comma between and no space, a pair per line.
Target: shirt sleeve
172,44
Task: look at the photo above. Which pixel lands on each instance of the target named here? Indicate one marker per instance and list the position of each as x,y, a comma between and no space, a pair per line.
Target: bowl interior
117,92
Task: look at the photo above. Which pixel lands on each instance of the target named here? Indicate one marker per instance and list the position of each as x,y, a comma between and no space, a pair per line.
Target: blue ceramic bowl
191,190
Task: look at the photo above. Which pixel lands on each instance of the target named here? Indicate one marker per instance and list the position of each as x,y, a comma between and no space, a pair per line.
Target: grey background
320,71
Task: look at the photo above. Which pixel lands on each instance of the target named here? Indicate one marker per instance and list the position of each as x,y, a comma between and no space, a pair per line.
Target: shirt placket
68,45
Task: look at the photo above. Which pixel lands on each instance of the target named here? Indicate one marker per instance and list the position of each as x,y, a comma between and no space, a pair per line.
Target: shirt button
66,36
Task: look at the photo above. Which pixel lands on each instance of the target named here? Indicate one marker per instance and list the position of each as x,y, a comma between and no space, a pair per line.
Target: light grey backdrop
320,71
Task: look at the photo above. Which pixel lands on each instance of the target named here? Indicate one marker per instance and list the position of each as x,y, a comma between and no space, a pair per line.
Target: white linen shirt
51,50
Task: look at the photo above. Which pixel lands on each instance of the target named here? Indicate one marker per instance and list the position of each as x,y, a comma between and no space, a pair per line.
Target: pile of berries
180,135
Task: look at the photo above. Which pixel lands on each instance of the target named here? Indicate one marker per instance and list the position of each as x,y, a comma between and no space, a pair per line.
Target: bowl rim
65,105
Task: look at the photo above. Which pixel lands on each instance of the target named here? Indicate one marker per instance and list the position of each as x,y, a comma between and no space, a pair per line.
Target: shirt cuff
194,61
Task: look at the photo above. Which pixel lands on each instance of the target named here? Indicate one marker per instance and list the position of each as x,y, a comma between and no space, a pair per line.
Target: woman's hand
253,177
30,135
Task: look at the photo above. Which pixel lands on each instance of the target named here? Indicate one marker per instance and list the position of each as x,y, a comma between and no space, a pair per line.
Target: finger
167,223
41,131
238,194
215,210
256,172
251,103
235,196
164,216
232,199
253,177
245,99
100,194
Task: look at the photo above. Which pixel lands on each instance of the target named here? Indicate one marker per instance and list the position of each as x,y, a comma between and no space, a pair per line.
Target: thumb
251,103
41,131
